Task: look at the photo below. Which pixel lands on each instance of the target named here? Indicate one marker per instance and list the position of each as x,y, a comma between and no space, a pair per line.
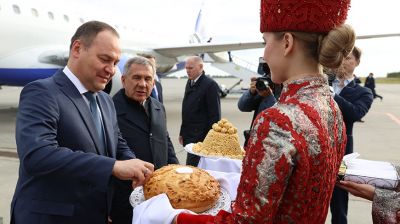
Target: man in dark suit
354,102
200,107
370,84
68,140
142,121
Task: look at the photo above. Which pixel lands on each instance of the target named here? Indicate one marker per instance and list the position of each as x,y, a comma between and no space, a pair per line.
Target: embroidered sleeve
385,204
291,162
266,169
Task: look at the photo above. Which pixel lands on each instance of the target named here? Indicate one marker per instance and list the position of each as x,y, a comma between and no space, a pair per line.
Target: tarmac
375,139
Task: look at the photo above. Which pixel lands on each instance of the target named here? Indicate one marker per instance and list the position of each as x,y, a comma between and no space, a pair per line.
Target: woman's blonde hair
329,49
336,46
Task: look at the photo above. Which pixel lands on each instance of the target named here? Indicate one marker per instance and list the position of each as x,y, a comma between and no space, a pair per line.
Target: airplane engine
164,68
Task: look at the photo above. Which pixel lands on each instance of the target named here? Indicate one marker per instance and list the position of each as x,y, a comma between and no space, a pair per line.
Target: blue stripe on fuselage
23,76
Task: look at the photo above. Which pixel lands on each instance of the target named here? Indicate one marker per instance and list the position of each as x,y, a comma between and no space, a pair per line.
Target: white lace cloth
158,209
155,210
377,173
221,164
229,181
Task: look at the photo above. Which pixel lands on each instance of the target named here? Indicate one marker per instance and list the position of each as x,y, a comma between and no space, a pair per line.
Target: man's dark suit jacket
148,137
200,109
159,91
62,179
354,101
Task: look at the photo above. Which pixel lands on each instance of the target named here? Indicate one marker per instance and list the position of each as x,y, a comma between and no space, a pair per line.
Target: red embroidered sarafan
291,161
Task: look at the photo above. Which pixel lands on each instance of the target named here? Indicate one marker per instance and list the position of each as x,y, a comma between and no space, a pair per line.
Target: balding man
200,107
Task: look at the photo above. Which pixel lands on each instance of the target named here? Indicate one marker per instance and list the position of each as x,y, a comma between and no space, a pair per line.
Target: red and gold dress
291,161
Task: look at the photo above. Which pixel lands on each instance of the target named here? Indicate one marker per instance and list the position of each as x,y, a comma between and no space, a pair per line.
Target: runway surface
375,139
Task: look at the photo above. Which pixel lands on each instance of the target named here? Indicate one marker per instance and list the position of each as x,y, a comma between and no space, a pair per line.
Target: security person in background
201,106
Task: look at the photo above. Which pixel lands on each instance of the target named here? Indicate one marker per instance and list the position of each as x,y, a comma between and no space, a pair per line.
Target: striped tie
91,97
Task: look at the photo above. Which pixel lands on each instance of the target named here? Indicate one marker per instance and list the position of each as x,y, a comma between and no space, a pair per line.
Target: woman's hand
365,191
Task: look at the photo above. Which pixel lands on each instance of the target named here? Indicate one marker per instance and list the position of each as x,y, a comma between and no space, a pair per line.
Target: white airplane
35,42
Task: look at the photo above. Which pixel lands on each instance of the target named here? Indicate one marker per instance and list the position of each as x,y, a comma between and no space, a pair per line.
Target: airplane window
35,13
16,9
82,20
66,18
51,15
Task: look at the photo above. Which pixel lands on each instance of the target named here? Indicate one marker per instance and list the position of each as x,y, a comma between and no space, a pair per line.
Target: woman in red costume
296,146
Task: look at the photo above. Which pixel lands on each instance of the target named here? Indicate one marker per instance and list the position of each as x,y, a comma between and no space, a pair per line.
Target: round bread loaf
187,187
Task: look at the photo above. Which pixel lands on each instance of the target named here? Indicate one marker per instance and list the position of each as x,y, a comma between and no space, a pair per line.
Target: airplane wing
61,57
362,37
213,48
206,48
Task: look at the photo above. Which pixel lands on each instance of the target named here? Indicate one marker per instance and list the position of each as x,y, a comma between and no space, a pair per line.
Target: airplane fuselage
35,42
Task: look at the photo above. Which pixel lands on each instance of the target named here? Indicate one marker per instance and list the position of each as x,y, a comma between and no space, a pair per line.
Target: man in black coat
201,106
370,84
142,122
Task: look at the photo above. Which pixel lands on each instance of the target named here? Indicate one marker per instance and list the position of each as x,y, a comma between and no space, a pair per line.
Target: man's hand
253,89
134,169
365,191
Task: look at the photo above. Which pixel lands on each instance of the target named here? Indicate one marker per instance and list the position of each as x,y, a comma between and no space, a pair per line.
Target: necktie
154,93
97,120
191,83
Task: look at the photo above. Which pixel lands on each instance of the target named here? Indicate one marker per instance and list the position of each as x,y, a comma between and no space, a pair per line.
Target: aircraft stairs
239,68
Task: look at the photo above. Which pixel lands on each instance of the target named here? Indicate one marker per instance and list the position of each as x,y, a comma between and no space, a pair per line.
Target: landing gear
223,92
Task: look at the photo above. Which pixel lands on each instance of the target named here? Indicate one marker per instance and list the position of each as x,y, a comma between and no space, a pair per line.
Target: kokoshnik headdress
319,16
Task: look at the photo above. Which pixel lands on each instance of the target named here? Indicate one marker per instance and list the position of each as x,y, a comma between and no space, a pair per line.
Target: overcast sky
238,20
228,20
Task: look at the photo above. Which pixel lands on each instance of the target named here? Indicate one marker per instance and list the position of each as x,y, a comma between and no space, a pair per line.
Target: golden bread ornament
222,141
